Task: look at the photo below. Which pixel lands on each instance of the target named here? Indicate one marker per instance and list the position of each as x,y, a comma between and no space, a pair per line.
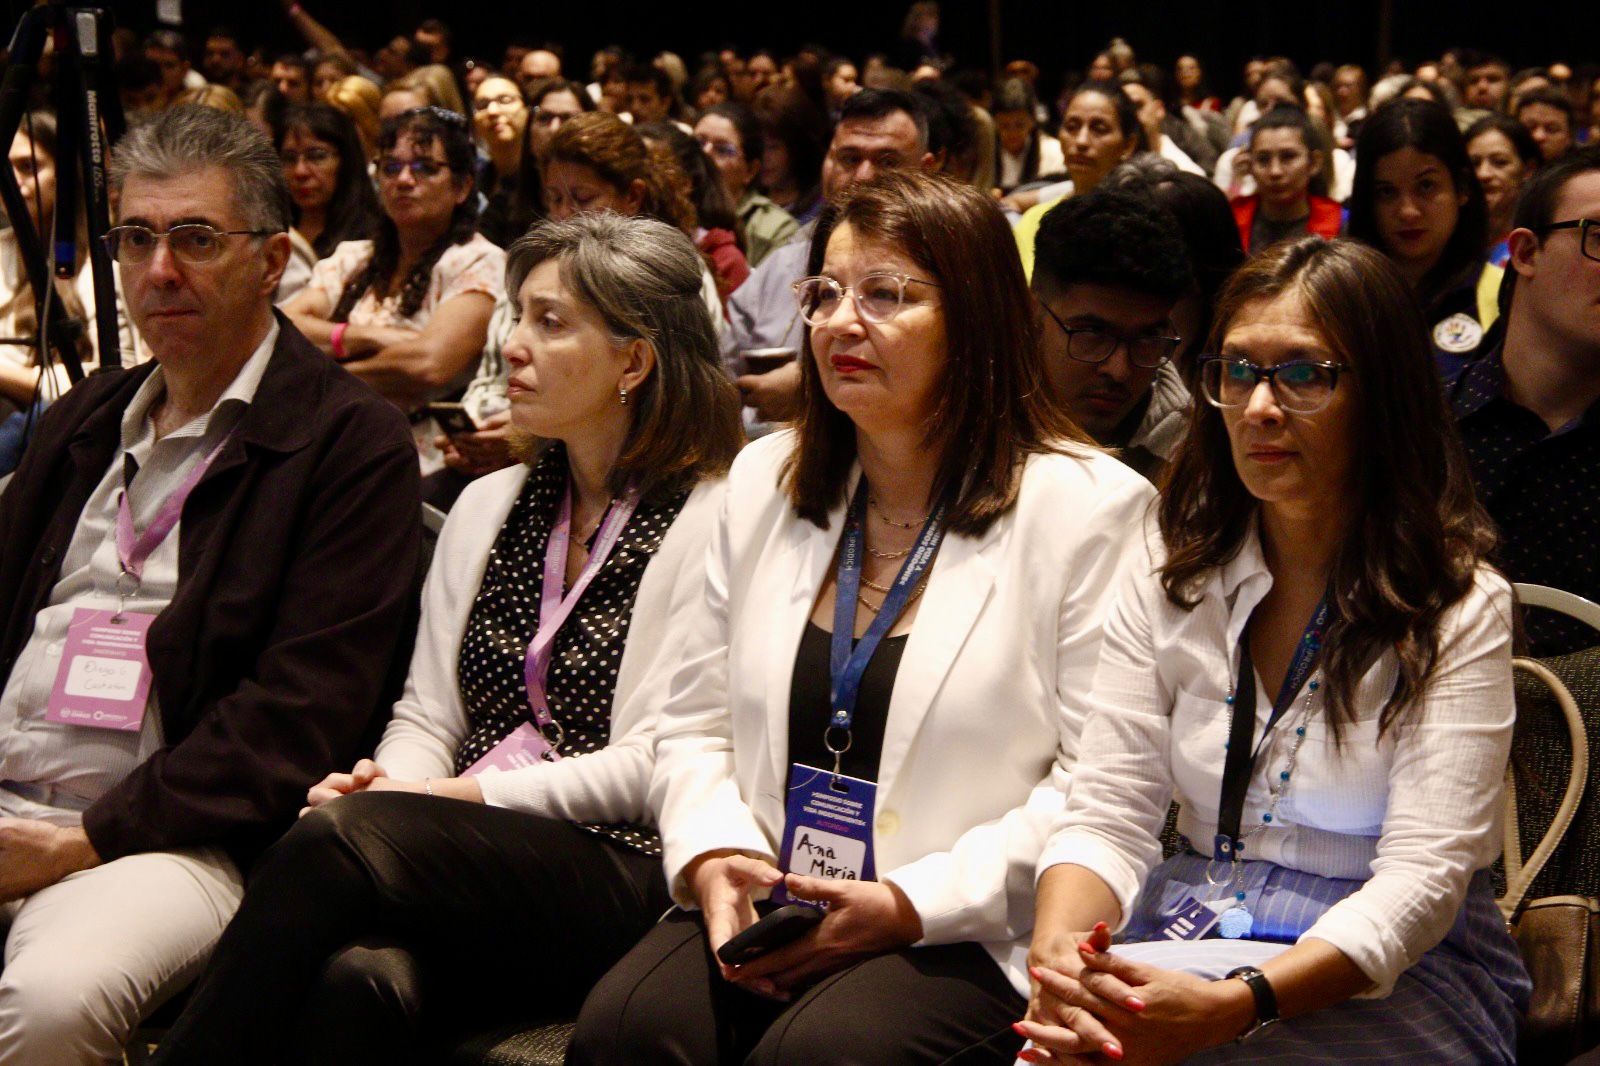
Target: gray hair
187,138
642,275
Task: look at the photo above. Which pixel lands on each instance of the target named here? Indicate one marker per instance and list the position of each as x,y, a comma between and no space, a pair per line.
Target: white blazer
987,705
430,723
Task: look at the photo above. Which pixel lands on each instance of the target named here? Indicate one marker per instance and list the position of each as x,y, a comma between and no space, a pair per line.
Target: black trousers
666,1002
385,920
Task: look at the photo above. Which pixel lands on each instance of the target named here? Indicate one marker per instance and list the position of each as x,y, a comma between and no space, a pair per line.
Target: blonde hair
359,98
436,83
216,97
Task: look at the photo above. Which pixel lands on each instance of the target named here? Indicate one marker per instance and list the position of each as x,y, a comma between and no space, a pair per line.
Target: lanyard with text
134,549
554,608
848,665
1240,764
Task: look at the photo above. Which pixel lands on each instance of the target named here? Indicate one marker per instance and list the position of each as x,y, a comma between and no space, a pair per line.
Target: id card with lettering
827,827
524,746
1192,920
104,678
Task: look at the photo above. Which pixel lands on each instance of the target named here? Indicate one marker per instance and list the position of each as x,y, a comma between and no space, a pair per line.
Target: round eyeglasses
1094,345
1300,386
193,242
878,297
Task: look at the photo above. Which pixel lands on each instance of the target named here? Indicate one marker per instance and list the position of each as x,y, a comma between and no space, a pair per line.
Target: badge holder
827,828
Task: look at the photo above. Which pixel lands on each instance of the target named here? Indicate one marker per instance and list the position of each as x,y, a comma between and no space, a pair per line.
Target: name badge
524,746
1191,921
827,828
103,681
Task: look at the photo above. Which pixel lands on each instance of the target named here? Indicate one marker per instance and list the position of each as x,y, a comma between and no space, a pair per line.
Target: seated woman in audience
795,134
1417,200
1099,129
716,231
912,525
326,169
437,84
840,81
597,162
552,103
408,311
1192,88
1286,161
1022,152
1319,569
510,181
708,88
1504,155
497,854
731,135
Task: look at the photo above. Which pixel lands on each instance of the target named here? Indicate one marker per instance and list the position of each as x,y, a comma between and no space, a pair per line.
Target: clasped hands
864,918
1089,1005
368,776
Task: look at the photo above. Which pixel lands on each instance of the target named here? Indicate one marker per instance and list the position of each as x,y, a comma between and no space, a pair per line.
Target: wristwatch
1266,1000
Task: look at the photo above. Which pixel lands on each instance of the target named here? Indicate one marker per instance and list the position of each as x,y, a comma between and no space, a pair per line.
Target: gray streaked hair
187,138
642,275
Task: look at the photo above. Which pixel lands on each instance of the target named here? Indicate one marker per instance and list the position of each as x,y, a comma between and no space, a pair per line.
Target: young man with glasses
207,567
1527,410
1109,267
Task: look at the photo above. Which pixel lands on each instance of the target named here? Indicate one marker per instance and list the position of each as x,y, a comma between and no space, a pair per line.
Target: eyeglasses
193,242
1300,386
392,168
878,297
1097,345
503,100
1588,234
317,157
720,149
541,117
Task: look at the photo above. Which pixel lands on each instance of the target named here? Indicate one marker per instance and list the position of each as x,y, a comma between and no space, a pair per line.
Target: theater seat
544,1044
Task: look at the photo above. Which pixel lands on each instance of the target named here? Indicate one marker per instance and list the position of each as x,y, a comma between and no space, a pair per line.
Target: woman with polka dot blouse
498,852
1315,662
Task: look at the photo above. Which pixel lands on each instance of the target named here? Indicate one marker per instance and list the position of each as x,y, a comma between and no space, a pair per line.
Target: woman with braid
408,312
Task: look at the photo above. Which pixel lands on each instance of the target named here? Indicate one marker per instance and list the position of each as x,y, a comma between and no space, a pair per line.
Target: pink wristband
296,9
336,340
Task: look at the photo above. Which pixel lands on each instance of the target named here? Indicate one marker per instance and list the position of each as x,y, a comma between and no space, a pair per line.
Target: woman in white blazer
1315,662
925,414
498,853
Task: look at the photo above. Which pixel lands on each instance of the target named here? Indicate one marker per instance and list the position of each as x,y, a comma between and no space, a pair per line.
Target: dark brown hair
620,156
1417,535
643,278
995,406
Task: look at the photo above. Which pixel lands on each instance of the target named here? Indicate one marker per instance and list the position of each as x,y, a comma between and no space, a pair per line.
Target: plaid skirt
1458,1004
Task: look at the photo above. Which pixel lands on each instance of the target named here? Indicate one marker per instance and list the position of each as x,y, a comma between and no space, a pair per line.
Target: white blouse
1414,812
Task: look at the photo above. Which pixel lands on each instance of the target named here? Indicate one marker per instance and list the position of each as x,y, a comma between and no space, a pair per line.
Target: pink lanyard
134,549
554,608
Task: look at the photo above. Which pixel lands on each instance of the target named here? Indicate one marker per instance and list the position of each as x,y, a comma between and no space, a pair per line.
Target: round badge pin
1457,334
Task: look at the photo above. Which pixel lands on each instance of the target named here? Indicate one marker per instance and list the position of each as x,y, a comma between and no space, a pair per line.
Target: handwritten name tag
827,827
103,681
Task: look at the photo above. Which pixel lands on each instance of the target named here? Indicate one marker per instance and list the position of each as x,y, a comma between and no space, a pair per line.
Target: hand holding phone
783,926
452,417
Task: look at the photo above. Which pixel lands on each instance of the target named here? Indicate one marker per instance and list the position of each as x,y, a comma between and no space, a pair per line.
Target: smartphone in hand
452,418
783,926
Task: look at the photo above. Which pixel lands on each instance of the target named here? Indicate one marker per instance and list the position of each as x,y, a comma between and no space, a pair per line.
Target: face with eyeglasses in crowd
549,112
416,187
498,112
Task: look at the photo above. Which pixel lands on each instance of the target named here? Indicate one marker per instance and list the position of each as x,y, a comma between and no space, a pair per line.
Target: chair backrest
1540,760
1568,603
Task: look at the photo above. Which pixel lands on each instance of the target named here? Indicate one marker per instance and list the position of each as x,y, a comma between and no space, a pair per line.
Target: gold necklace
875,609
878,509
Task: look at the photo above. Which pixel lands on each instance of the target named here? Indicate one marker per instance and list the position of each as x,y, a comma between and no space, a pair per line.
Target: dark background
1056,34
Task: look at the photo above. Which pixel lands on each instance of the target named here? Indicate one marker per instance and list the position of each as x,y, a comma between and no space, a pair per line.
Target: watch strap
1266,999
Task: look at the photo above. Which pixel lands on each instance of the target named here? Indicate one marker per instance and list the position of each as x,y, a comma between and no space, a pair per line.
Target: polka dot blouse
588,648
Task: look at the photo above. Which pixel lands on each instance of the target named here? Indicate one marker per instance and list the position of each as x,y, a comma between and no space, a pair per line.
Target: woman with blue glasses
1315,663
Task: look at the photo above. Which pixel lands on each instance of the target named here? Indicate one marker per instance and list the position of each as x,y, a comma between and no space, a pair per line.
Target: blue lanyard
1240,764
848,665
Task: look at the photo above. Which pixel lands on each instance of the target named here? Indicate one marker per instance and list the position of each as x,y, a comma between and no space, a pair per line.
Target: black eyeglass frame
1270,375
1585,227
1122,342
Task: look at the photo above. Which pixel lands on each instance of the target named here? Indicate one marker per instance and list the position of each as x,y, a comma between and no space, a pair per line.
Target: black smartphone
452,418
783,926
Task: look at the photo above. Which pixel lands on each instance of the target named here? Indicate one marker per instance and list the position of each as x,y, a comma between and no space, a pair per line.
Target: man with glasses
207,566
1109,267
1527,410
878,130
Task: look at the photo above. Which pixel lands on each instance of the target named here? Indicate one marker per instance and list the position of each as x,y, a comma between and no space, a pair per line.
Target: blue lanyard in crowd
1240,764
847,664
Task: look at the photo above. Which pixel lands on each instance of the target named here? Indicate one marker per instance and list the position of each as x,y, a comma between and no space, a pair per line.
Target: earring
622,395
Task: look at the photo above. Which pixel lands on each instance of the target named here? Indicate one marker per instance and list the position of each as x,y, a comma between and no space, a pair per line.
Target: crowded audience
897,562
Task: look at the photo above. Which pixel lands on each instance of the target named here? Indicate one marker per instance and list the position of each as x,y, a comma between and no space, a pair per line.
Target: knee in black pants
370,990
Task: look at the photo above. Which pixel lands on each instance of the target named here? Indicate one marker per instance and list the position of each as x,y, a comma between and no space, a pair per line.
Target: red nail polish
1134,1003
1112,1050
1016,1027
1086,947
1029,1055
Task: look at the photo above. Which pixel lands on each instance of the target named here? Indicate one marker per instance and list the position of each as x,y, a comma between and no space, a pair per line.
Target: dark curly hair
1417,535
421,128
1112,237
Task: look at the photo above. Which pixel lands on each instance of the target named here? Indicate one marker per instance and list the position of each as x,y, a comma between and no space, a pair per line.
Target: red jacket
1326,217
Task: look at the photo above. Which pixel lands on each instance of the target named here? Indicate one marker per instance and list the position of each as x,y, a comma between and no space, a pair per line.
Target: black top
588,648
809,708
1541,489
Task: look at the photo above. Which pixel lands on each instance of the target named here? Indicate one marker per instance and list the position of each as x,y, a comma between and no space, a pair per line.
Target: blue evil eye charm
1314,685
1235,923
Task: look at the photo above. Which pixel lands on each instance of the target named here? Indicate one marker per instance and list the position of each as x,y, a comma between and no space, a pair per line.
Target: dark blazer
294,611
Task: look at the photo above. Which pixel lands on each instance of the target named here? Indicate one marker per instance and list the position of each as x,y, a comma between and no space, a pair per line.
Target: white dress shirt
62,768
1414,812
